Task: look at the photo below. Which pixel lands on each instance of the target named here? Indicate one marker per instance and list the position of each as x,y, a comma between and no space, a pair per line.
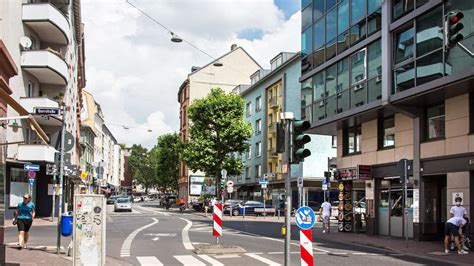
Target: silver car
123,204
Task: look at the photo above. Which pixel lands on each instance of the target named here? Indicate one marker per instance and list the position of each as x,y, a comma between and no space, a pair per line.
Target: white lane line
185,234
262,259
189,260
210,260
125,250
359,253
149,261
227,256
275,252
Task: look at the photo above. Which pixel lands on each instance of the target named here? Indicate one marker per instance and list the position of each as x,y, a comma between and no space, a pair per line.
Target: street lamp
217,64
175,38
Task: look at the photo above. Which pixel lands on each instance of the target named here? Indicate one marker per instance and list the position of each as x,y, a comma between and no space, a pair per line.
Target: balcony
48,22
31,103
36,152
272,128
273,102
272,153
46,66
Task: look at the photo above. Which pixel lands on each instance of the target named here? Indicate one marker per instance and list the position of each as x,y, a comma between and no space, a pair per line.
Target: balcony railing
47,66
48,22
273,102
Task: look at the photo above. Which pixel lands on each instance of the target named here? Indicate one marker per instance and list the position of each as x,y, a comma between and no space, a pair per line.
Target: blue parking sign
305,218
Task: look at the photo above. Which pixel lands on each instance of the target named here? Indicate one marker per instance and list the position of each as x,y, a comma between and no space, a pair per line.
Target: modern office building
378,75
271,92
226,72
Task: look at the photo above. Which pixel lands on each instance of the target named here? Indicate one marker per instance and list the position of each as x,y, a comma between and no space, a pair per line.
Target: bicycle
466,243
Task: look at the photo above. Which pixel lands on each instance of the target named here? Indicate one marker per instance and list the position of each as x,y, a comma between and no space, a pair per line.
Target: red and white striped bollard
306,247
217,221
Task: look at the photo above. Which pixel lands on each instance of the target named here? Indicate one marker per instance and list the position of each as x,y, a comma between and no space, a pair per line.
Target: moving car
111,200
248,207
123,204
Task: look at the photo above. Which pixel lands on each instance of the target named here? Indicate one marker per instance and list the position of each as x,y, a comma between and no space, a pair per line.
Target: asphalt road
152,236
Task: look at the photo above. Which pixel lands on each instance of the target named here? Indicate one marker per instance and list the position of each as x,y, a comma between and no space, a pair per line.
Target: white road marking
125,250
262,259
189,260
275,252
155,239
226,256
210,260
359,253
149,261
185,235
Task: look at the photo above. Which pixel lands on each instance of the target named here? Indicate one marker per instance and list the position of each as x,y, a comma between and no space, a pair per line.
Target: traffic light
280,138
452,28
299,140
222,184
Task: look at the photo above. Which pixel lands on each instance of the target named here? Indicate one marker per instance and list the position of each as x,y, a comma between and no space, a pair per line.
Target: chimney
233,46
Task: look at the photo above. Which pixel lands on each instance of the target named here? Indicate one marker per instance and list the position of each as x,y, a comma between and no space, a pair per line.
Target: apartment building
271,92
226,72
45,40
377,75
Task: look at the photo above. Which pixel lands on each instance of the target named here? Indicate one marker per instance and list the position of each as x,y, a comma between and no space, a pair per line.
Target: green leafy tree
217,132
142,167
166,154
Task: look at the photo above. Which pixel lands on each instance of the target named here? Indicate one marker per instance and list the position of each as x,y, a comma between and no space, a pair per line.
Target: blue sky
289,7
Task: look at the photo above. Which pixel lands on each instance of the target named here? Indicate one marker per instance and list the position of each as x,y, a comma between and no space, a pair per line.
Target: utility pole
61,177
287,118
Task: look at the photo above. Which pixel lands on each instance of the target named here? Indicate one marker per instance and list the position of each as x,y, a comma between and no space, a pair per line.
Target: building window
435,125
270,120
249,152
352,138
387,132
334,141
30,89
247,173
258,171
258,127
248,108
418,53
258,150
402,7
258,103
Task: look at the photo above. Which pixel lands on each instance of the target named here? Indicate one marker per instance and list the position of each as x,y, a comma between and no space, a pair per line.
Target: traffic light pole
287,161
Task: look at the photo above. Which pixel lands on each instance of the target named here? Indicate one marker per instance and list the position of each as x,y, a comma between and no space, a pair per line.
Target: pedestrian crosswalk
203,260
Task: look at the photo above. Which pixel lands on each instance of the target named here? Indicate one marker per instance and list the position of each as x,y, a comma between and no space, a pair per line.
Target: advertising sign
89,230
202,185
364,172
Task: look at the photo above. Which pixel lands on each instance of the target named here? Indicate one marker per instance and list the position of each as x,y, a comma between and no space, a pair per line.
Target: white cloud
134,70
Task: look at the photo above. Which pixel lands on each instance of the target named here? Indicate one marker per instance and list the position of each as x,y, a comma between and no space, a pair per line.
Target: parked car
123,204
248,207
111,200
136,199
232,202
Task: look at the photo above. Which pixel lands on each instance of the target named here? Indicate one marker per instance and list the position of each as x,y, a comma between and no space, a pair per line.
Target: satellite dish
25,42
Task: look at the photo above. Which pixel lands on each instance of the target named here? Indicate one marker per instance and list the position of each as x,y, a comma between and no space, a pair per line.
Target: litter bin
66,224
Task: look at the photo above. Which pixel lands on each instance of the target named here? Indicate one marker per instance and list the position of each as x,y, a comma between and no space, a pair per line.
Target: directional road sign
305,218
31,167
47,110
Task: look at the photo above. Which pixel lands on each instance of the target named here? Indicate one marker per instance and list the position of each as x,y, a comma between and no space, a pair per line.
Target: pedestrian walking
453,227
24,216
325,212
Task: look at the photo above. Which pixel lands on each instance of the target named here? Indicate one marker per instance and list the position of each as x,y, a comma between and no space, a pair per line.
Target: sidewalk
43,221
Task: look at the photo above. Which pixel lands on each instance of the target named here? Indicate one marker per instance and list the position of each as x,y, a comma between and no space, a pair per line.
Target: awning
22,111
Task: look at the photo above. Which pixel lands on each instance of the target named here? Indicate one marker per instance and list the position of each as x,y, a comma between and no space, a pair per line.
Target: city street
151,236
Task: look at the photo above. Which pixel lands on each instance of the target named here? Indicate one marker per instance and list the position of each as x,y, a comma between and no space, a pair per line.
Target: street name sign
305,218
47,111
31,167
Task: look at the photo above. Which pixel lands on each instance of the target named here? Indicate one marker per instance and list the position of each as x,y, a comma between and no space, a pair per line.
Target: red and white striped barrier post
217,221
306,247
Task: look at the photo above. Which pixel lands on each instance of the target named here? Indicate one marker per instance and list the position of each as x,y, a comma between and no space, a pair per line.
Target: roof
212,62
271,73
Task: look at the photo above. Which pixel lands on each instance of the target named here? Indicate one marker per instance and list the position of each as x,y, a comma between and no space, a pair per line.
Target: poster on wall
202,186
455,195
416,205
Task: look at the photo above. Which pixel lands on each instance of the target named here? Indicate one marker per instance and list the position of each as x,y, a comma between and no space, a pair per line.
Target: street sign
284,168
57,158
224,173
68,142
305,218
325,186
47,110
31,181
31,174
71,170
31,167
52,169
300,181
230,183
263,182
230,189
264,186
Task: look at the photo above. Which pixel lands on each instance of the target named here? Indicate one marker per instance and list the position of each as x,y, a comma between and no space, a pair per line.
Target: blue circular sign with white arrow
305,218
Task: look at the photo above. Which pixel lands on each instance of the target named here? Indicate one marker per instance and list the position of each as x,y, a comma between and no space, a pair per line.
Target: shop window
352,138
435,122
387,132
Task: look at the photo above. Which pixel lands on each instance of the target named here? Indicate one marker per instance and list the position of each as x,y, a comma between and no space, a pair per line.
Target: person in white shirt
458,210
325,212
453,227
